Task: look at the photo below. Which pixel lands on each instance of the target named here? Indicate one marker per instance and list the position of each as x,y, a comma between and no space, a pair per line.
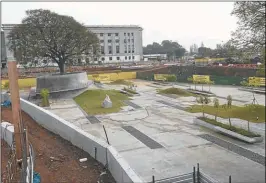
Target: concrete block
7,132
204,124
120,169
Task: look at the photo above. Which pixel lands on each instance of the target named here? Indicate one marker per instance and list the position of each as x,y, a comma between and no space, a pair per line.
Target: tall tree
45,34
250,33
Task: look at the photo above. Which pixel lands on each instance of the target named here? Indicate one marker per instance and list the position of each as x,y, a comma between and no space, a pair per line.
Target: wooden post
15,102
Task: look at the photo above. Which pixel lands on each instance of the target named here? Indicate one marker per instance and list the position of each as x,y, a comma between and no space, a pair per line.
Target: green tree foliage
172,49
250,33
45,34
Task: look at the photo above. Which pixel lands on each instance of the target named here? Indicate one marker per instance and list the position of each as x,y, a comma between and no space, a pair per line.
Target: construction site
126,125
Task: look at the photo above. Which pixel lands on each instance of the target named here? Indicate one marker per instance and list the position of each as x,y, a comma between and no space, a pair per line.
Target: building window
116,34
117,40
101,34
109,40
125,41
109,34
125,58
125,34
133,51
132,40
133,57
128,34
110,49
102,49
129,40
125,51
102,58
101,41
132,34
117,49
110,58
117,58
129,57
95,59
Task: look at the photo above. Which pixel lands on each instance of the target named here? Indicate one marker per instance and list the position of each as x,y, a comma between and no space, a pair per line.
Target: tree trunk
61,67
230,122
203,111
216,115
248,125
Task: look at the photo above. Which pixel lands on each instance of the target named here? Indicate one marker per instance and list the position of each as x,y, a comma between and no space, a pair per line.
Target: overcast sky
184,22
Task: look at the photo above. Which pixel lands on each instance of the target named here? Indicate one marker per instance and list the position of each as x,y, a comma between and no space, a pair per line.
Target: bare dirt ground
65,166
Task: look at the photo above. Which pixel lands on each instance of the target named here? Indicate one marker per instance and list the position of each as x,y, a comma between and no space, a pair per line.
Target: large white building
117,43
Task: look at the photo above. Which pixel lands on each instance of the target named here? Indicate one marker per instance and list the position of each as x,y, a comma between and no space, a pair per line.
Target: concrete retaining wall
59,83
7,132
120,170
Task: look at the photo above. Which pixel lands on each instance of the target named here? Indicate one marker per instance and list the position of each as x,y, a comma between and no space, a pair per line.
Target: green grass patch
176,91
232,128
91,101
241,112
121,82
129,91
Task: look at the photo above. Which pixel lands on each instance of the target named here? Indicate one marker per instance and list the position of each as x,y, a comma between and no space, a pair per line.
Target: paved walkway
161,140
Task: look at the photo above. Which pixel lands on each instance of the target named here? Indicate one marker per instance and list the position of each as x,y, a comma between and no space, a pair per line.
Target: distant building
3,50
117,43
158,57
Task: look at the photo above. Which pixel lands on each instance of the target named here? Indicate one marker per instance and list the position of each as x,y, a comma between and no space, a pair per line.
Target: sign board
161,77
256,81
201,78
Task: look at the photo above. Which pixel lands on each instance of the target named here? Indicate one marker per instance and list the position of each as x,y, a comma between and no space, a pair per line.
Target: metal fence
196,176
11,168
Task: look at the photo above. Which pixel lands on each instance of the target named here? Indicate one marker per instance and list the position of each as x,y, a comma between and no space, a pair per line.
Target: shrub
45,97
6,85
171,78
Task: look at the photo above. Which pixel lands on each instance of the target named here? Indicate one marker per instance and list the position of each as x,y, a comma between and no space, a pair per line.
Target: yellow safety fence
256,81
161,77
112,76
209,59
201,78
30,82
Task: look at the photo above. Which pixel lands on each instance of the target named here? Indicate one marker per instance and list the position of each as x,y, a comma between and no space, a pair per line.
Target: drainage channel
171,105
235,148
132,104
93,119
142,137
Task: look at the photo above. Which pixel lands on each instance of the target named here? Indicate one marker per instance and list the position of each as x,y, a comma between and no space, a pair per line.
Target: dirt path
67,167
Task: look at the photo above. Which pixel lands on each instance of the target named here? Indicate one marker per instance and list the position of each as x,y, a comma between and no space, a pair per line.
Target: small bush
45,97
6,85
171,78
231,128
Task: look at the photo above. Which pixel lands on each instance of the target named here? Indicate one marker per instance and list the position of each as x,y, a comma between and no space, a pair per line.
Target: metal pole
106,135
194,178
153,179
230,179
198,173
95,152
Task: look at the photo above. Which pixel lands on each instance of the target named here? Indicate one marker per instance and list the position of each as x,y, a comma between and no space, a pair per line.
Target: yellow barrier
161,77
23,83
201,78
30,82
112,76
207,59
256,81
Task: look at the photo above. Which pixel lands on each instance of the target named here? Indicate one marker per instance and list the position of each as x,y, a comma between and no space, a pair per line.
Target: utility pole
15,101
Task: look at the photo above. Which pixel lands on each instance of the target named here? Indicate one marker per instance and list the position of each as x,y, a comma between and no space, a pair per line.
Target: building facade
117,43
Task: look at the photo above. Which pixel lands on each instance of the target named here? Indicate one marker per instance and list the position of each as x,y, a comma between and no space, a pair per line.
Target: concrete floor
174,130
